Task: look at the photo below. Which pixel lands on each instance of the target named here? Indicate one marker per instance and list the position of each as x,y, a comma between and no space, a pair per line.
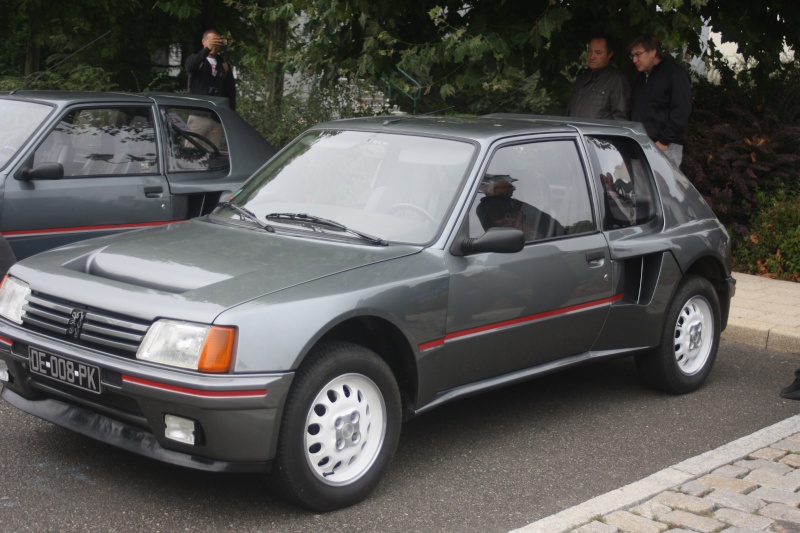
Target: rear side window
624,181
106,141
196,140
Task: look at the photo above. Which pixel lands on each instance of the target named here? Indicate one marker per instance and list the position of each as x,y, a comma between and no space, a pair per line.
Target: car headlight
12,297
188,345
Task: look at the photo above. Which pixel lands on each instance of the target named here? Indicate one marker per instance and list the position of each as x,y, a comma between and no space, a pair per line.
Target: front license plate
81,375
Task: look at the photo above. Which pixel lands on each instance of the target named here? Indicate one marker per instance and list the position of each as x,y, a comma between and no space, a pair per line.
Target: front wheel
340,428
689,343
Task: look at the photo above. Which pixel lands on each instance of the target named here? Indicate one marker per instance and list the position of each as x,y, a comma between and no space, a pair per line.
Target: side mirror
45,171
495,240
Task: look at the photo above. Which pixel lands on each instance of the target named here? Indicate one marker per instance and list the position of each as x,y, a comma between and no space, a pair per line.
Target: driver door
510,312
112,180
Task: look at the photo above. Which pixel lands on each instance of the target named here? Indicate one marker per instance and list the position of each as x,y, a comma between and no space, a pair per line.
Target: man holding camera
210,74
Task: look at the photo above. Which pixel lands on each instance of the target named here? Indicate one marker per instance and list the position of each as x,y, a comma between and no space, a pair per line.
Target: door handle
595,257
153,192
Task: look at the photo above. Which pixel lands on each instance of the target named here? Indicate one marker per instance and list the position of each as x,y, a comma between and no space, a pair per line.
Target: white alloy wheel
694,335
681,362
345,428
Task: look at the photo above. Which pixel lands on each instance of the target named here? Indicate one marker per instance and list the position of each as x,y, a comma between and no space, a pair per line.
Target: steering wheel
193,138
416,209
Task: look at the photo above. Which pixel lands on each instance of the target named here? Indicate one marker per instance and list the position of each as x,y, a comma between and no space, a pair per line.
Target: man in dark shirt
600,91
662,96
210,74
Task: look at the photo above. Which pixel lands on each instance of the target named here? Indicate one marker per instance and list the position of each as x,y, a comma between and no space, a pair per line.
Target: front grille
108,332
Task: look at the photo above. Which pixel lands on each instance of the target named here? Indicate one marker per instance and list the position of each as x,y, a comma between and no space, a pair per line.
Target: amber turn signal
218,350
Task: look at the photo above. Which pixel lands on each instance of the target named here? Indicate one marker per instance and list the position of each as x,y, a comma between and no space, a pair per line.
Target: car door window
196,140
538,187
102,142
624,181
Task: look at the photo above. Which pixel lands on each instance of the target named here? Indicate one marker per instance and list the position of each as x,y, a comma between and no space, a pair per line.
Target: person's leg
199,124
215,133
208,128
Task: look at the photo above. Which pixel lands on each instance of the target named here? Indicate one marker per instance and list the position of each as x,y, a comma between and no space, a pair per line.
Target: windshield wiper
246,214
303,217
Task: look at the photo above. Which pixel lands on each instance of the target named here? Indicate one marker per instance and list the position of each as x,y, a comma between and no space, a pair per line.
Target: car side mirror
495,240
45,171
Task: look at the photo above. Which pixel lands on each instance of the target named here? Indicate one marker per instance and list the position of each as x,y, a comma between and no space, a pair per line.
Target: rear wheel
683,360
340,428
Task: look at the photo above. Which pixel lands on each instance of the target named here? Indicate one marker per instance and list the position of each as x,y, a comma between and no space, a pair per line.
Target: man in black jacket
662,96
210,74
600,91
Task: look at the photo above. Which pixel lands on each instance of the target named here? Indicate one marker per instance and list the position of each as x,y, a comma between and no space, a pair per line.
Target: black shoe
792,392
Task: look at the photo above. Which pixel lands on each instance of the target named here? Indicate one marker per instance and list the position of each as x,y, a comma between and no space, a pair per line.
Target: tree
514,55
762,31
264,43
132,53
493,54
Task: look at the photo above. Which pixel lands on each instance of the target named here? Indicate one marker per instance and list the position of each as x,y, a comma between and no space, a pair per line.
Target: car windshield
19,121
392,187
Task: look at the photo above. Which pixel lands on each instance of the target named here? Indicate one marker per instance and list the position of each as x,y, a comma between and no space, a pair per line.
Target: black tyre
690,340
340,428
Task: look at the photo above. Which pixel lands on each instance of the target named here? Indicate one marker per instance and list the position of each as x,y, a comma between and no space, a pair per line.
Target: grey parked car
372,270
75,165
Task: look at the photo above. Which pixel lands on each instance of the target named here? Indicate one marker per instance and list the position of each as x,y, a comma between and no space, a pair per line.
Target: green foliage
486,52
80,78
761,30
135,36
299,112
508,55
182,9
772,246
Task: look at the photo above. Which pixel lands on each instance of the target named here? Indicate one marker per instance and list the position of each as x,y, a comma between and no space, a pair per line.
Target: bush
301,110
79,78
771,247
742,154
736,145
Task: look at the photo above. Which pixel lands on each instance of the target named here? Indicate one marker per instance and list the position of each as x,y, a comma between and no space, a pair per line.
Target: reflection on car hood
198,261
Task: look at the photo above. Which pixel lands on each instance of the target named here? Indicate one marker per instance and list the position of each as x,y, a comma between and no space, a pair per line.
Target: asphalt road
489,463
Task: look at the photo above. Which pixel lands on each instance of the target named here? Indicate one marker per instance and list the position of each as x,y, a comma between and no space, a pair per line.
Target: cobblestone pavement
755,494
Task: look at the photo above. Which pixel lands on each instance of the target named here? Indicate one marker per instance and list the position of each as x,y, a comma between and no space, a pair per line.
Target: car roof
62,98
482,128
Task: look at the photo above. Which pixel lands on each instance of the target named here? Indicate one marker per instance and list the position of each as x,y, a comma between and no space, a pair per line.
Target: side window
102,142
538,187
623,180
196,140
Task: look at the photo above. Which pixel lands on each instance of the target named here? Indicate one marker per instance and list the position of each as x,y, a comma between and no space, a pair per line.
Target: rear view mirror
495,240
45,171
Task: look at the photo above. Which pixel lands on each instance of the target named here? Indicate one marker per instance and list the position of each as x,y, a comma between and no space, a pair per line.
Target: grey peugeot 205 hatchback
372,270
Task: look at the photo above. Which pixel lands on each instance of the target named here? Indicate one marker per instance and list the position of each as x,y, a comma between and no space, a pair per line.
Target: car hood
207,266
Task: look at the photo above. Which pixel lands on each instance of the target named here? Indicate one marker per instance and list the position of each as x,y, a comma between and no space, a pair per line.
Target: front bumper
237,416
